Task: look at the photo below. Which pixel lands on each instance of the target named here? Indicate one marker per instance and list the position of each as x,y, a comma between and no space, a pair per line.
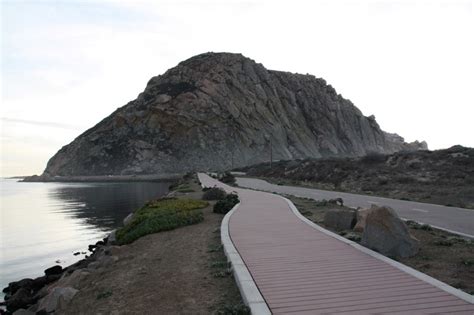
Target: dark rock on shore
27,294
23,293
55,270
218,111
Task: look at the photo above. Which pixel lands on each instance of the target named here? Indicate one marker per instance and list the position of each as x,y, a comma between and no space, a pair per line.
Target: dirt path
171,272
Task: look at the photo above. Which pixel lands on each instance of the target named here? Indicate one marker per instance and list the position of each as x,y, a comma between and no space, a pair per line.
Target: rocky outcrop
385,232
221,110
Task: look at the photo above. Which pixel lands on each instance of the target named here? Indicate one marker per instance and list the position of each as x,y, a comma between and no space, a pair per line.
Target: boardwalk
453,219
301,270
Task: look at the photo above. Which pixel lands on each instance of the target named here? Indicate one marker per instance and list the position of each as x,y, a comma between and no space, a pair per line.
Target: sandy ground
165,273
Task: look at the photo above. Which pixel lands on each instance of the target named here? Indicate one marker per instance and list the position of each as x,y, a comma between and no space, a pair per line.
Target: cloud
41,123
69,64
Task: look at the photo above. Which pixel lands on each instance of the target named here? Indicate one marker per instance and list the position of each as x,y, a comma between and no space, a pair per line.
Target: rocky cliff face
219,110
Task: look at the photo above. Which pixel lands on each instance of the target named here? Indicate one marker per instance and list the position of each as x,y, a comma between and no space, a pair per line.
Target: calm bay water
45,223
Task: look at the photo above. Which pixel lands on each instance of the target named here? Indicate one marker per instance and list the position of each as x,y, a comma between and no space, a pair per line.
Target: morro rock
218,110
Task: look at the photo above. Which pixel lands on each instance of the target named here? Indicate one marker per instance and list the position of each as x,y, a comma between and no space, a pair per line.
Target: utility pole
232,133
232,157
271,153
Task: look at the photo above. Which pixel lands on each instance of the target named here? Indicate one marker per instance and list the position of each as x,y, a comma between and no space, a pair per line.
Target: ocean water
44,224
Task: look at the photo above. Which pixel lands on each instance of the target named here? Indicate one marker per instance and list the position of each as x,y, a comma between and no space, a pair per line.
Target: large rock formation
219,110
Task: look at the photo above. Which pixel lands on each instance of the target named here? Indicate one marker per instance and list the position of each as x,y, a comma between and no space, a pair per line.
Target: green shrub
233,309
226,204
228,178
443,243
426,227
373,158
185,190
161,215
214,193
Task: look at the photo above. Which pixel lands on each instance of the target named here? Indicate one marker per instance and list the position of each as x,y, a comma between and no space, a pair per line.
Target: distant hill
218,110
443,177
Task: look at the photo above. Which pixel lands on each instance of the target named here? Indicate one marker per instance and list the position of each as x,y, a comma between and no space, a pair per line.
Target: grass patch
220,264
104,295
222,273
233,309
443,243
214,248
161,215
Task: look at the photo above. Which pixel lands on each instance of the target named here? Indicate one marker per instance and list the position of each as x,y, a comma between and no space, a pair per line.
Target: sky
65,65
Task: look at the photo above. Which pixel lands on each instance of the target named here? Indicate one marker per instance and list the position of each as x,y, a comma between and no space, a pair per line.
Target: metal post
271,154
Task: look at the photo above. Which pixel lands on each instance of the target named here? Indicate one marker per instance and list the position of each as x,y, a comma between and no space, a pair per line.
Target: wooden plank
300,270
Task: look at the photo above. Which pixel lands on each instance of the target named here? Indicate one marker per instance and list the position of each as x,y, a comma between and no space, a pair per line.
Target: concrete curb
441,285
248,289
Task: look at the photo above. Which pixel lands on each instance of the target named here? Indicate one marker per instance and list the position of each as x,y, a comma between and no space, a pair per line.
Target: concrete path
300,268
453,219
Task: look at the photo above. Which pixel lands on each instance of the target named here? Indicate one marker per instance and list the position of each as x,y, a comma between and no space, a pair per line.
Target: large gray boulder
340,219
362,218
386,233
56,299
177,124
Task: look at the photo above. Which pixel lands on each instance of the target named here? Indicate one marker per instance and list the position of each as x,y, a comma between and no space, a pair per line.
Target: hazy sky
68,64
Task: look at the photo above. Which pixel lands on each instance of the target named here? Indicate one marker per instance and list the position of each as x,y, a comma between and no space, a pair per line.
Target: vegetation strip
161,215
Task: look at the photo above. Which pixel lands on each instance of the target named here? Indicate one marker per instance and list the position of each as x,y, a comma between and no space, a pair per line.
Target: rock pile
58,286
378,228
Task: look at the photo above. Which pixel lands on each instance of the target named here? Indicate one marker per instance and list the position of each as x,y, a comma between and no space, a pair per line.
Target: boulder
21,299
340,219
362,218
57,298
55,270
16,285
72,280
127,219
386,233
112,238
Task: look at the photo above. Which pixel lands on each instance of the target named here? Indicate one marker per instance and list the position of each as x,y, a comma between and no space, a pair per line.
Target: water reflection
104,205
42,223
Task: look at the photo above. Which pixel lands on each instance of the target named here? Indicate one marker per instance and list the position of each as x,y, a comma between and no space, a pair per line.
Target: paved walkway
301,270
454,219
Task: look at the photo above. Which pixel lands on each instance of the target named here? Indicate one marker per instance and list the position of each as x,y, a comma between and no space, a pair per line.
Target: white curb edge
247,287
441,285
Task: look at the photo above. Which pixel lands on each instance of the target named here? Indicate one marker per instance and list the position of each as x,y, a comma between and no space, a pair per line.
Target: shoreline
101,178
113,273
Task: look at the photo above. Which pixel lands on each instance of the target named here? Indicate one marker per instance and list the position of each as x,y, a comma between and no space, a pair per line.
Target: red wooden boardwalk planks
300,270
